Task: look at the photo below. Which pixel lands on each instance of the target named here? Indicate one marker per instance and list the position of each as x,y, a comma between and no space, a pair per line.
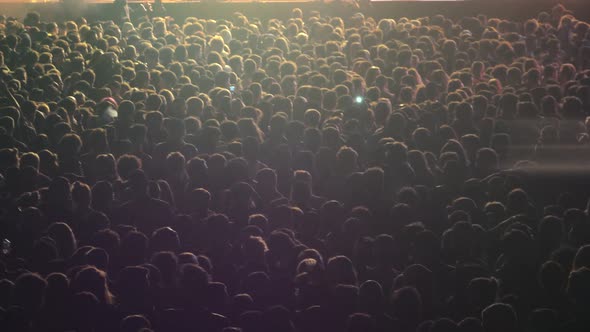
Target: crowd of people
319,174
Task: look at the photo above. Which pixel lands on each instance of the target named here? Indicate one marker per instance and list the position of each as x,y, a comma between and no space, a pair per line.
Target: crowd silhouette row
317,174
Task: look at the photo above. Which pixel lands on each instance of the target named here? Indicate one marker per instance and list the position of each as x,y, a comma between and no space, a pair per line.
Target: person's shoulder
161,150
93,213
161,145
189,147
123,206
88,156
42,179
22,147
317,201
143,156
158,203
